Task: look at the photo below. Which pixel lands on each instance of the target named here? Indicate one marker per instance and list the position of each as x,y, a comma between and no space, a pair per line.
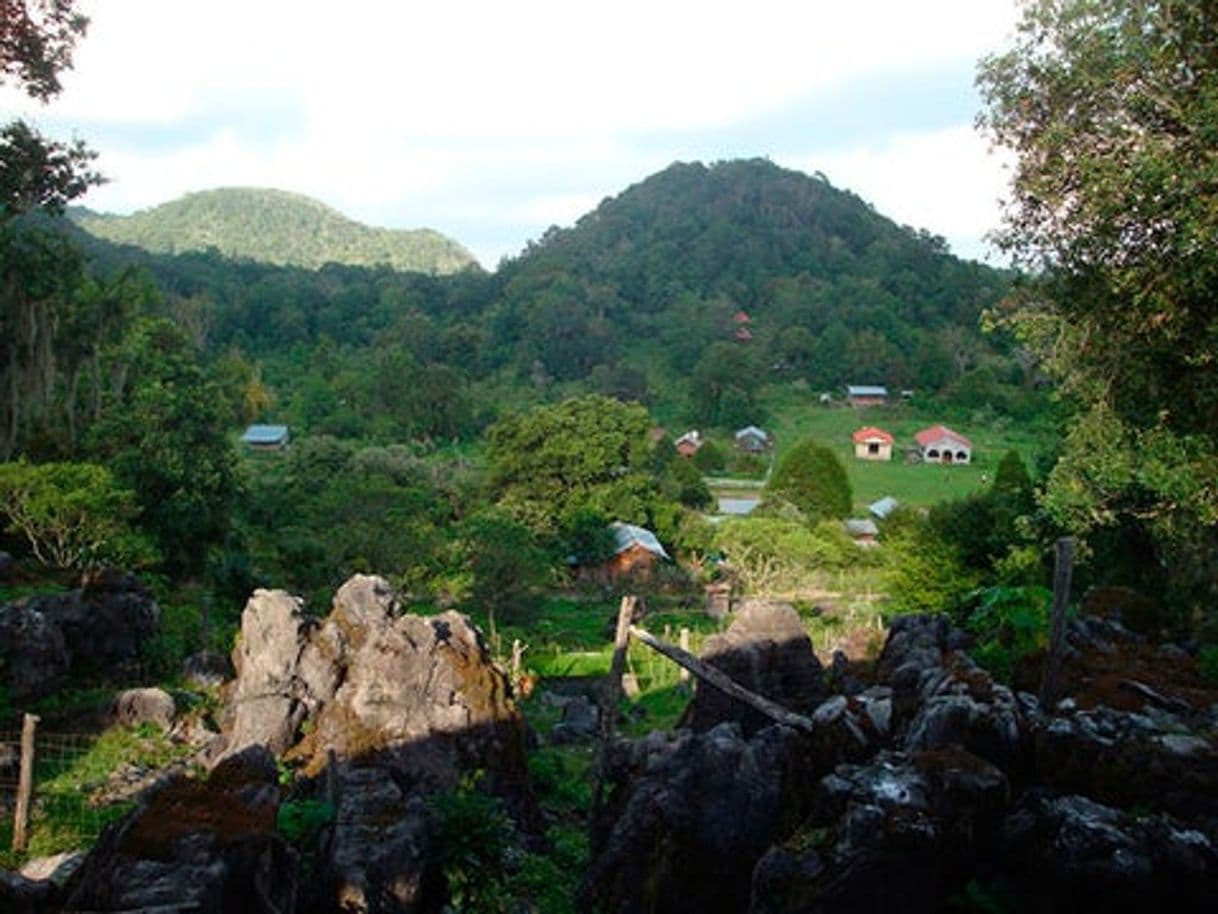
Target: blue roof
265,434
627,535
883,507
866,390
753,431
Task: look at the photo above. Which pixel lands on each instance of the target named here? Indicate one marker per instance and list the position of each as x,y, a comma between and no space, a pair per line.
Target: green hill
276,227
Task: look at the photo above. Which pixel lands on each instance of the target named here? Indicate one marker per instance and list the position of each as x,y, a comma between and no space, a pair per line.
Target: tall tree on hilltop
1110,108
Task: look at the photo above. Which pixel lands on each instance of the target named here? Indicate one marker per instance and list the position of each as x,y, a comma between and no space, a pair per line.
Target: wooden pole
1063,569
25,784
724,683
684,642
610,696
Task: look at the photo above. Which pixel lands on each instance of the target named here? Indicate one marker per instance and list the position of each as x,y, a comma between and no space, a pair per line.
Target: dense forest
272,226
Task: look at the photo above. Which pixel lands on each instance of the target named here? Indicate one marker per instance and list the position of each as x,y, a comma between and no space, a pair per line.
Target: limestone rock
139,706
767,650
207,847
689,817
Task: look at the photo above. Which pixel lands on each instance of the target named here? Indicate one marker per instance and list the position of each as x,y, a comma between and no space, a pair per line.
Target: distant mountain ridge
275,227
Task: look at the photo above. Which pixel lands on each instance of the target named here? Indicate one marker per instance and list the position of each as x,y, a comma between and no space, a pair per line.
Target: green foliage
1010,623
777,554
165,438
300,821
710,458
273,226
505,562
923,572
589,453
812,478
472,839
1207,662
1110,117
73,515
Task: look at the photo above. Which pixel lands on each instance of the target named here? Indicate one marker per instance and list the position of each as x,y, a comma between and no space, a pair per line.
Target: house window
961,455
932,454
873,448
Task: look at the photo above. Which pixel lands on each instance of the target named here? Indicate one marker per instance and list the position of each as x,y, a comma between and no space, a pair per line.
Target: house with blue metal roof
266,437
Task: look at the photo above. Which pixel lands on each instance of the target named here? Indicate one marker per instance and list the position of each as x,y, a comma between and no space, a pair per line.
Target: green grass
797,414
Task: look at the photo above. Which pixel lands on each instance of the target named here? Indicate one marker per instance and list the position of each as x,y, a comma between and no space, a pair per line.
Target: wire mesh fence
64,813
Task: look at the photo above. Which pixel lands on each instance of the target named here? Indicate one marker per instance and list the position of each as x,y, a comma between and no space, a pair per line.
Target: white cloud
946,181
480,111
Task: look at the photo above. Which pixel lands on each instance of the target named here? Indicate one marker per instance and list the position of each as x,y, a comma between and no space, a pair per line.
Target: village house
636,550
863,531
939,444
266,437
752,439
866,395
872,443
689,443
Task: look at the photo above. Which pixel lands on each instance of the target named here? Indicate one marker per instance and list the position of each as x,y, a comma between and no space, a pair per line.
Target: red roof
743,334
929,436
742,317
870,433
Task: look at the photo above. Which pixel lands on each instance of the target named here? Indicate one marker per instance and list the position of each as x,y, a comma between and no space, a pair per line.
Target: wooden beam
610,696
724,683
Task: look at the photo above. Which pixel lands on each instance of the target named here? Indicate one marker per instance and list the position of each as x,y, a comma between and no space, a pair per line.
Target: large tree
1111,109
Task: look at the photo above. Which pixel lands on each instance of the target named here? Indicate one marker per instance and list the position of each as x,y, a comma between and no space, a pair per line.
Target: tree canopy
812,478
1110,108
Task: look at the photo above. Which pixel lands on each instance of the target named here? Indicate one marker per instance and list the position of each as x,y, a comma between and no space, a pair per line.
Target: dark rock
1077,852
766,650
689,817
207,669
139,706
580,722
207,847
19,895
900,833
1128,758
6,565
107,625
34,658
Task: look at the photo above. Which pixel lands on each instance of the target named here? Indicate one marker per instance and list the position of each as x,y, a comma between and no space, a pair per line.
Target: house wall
635,562
862,451
942,448
868,401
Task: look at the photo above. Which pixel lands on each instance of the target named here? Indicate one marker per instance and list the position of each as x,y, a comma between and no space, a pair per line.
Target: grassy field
796,414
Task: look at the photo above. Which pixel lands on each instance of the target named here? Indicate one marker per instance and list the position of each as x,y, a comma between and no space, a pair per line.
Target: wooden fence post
684,644
25,784
1063,569
610,696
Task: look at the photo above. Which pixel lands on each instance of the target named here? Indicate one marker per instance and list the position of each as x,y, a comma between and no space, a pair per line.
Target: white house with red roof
939,444
871,443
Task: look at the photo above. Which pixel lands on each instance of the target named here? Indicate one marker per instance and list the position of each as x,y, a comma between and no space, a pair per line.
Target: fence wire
64,814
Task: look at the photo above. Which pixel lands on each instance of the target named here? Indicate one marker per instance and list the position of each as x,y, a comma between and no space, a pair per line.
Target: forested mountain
273,226
657,278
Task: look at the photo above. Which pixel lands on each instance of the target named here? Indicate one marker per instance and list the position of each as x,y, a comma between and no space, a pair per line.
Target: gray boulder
140,706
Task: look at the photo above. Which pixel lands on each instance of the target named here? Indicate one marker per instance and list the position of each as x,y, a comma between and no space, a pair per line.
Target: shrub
812,478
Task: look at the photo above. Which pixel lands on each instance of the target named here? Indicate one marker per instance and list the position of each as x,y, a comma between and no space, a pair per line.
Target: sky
490,121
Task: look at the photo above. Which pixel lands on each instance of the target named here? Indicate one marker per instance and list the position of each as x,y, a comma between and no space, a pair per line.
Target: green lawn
796,414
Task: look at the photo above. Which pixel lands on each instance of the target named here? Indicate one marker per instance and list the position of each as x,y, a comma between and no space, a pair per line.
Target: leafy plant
1010,623
473,838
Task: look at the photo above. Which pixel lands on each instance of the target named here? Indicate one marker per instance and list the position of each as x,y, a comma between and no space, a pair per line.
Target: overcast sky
490,121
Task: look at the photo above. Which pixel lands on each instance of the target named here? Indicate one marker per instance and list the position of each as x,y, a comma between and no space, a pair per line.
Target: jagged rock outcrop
139,706
767,650
397,707
937,786
898,833
690,815
102,629
204,847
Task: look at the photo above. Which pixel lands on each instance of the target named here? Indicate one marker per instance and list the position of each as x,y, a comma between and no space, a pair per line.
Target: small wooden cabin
266,437
871,443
